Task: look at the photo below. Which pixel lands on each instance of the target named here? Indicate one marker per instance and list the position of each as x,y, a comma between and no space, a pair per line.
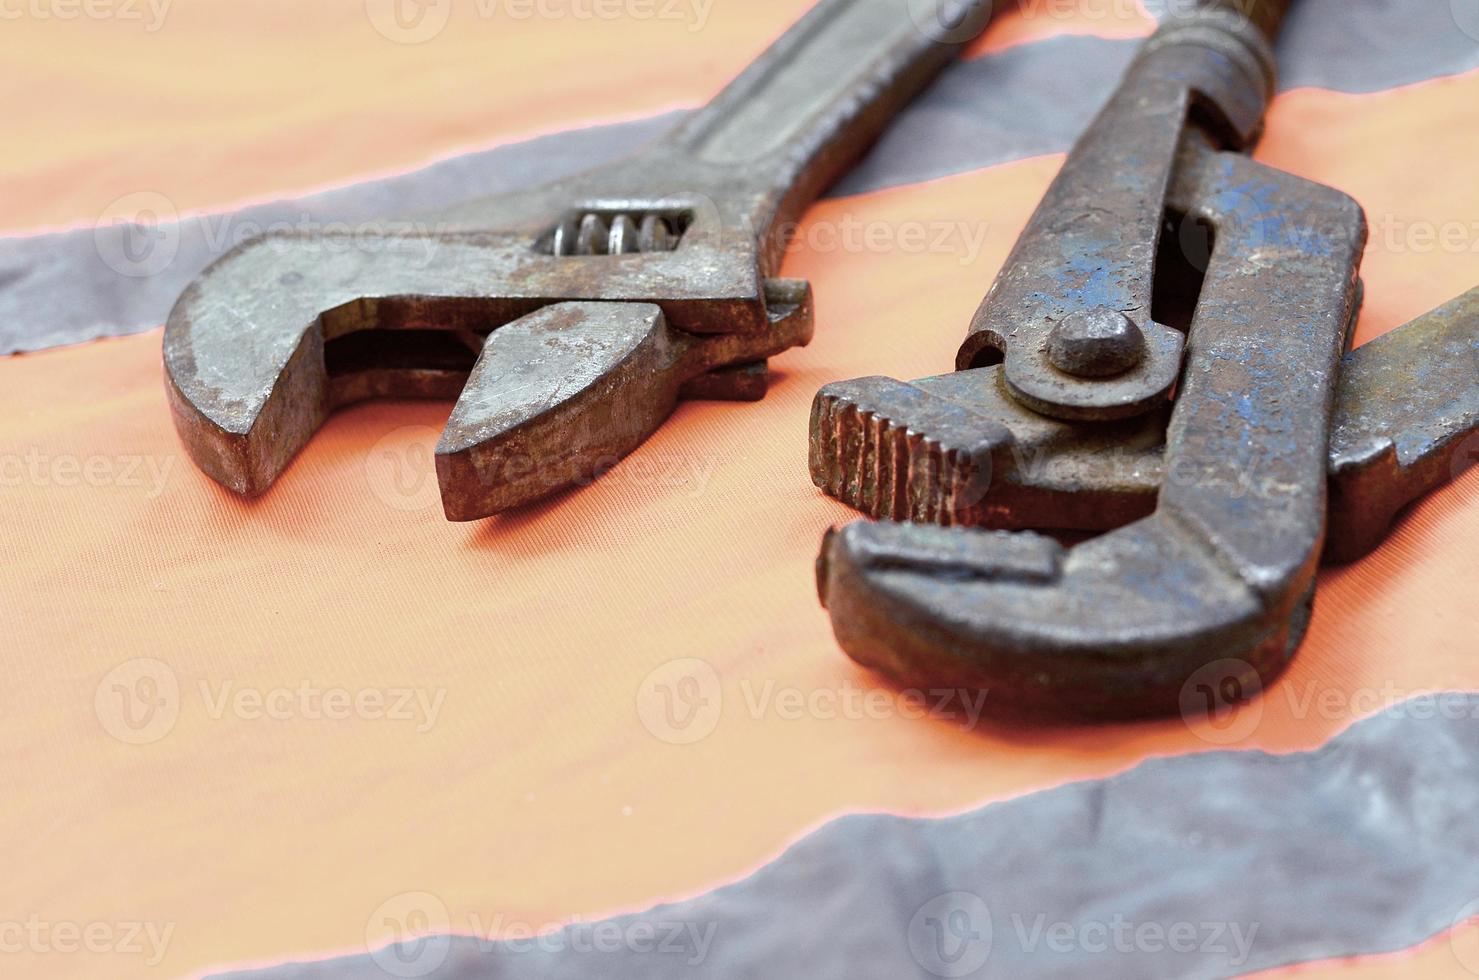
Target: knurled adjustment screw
1095,344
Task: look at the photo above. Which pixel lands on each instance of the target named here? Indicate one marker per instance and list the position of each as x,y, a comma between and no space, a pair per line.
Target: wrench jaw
249,347
1050,633
959,450
553,396
1407,421
1414,387
245,446
246,392
562,395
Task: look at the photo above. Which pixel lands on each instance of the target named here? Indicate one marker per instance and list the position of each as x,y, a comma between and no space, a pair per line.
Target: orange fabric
229,102
1454,955
541,792
1036,20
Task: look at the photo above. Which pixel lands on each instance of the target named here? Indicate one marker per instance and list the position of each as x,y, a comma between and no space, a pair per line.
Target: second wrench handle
803,112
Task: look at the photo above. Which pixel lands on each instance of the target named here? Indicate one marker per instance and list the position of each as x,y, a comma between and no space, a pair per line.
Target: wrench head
1113,629
284,329
1218,509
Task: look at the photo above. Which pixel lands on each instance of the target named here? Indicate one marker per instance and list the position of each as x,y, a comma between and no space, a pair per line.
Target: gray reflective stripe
1196,866
78,285
1029,100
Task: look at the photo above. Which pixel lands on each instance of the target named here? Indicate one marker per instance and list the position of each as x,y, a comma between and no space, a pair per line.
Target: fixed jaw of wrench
567,320
1223,567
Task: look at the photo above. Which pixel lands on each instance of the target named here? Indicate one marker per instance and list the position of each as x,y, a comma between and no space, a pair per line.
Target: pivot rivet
1095,344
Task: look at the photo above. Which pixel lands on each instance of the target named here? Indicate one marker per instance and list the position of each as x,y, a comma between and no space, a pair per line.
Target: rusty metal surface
284,329
1222,569
1406,421
1089,251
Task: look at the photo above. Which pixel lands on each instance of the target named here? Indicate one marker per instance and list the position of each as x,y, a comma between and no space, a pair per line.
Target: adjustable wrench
1083,329
603,298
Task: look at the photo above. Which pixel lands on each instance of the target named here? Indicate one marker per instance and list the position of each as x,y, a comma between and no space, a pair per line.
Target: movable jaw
564,393
958,450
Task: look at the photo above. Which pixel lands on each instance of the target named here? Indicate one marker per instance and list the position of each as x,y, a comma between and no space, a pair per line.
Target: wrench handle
803,112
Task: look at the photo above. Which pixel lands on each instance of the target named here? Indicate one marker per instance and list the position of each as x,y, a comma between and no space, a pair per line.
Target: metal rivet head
1095,344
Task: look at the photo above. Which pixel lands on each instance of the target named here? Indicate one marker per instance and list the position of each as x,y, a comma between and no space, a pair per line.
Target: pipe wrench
1060,416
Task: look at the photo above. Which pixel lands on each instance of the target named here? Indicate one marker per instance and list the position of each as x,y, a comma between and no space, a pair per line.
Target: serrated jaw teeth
896,452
